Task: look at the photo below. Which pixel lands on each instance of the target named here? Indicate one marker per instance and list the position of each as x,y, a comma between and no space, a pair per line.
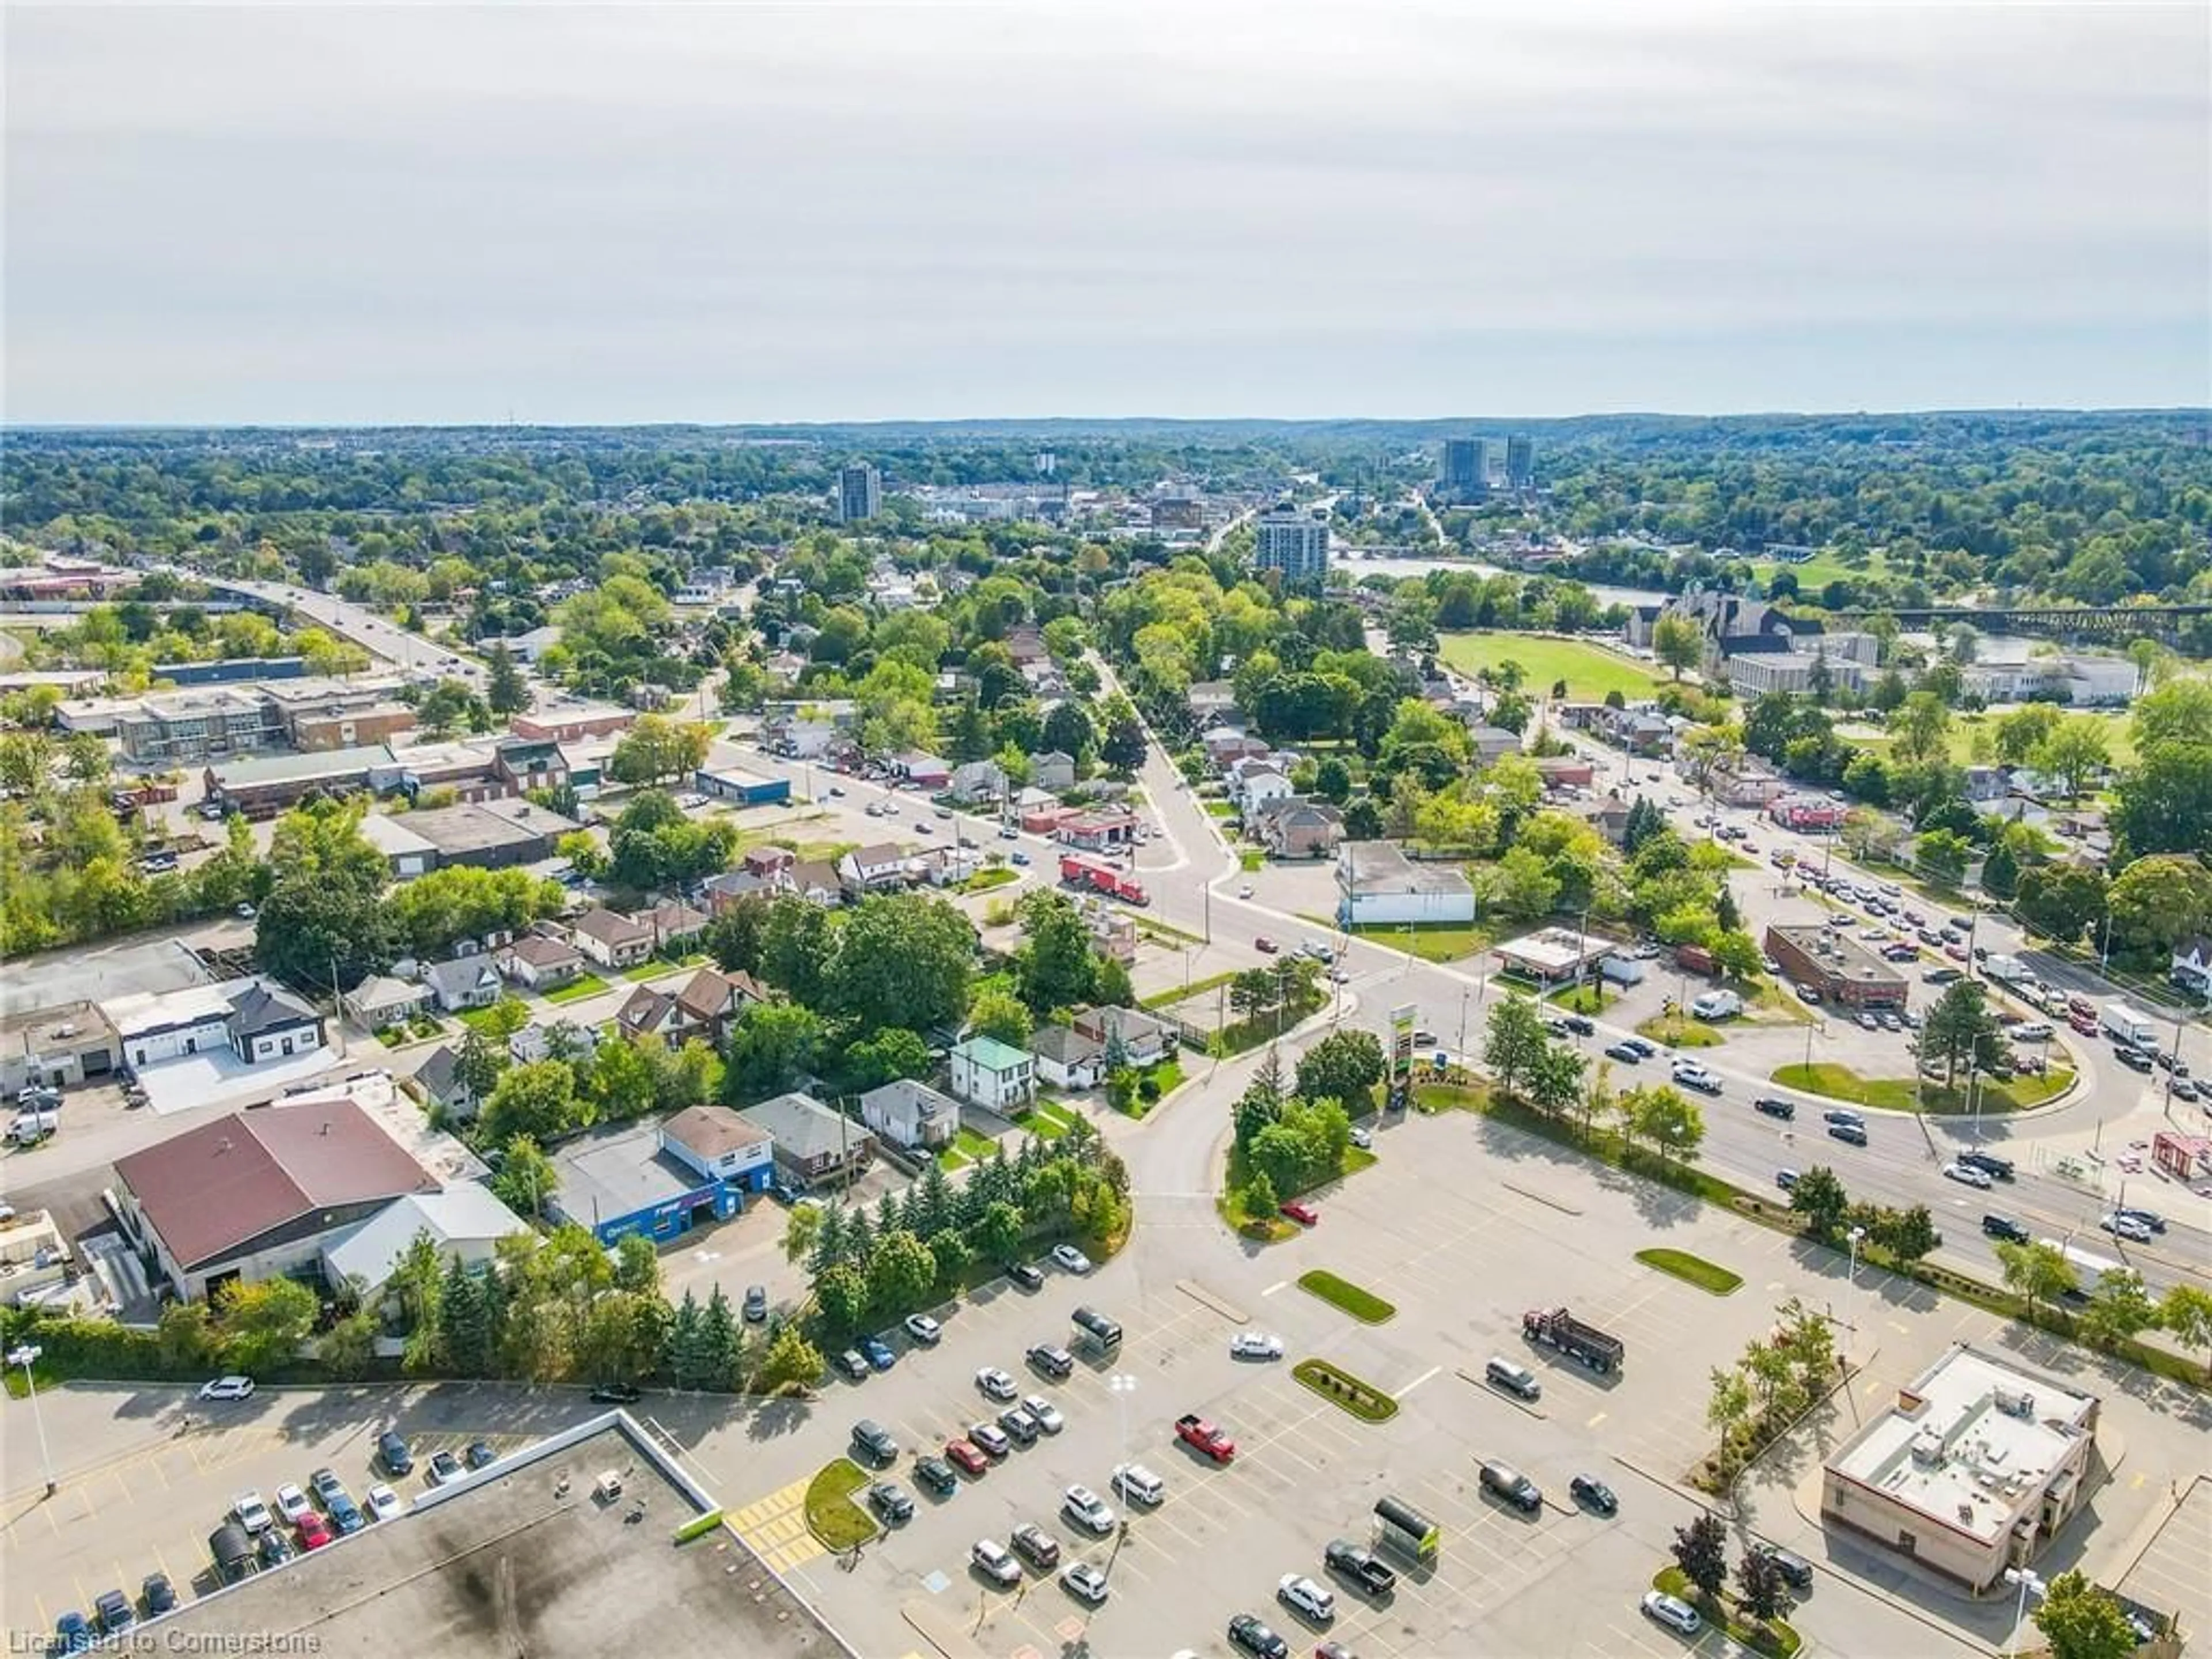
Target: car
157,1594
253,1514
1244,889
1690,1074
1853,1135
937,1474
1868,1022
1084,1580
1997,1169
1580,1025
1842,1114
1071,1260
1043,1414
480,1456
114,1610
1256,1344
924,1329
392,1452
2185,1089
1255,1638
1589,1490
1807,994
245,912
1304,1597
1772,1107
755,1304
1018,857
992,1439
1966,1175
836,791
2004,1227
995,1383
1361,1136
1785,1179
2127,1227
1943,975
941,812
874,1441
2135,1059
995,1562
386,1504
72,1633
345,1514
315,1531
1024,1275
617,1393
890,1500
1087,1509
445,1469
1673,1612
1055,1361
1302,1213
1361,1566
1623,1053
1017,1422
852,1363
2150,1218
1034,1545
292,1504
1796,1571
970,1460
1265,946
877,1352
874,809
227,1387
326,1486
1140,1485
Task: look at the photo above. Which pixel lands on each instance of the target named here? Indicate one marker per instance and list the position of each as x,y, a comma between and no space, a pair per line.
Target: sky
822,211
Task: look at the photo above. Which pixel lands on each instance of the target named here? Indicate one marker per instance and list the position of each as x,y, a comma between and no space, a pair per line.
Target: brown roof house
706,1005
675,924
538,960
1294,827
611,939
258,1194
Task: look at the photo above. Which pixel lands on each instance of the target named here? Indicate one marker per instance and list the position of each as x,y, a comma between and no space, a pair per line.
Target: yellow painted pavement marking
775,1528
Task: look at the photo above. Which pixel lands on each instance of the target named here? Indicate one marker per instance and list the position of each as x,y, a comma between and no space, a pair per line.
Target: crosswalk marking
775,1528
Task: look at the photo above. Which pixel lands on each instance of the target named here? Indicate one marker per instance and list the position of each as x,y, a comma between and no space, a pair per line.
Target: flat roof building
625,1181
1841,970
1294,543
1973,1469
1380,884
1551,954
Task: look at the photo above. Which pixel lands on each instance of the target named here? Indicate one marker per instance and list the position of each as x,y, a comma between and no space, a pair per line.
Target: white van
1717,1005
1140,1485
29,1128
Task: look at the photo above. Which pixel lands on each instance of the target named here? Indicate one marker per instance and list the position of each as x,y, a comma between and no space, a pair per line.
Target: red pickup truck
1195,1431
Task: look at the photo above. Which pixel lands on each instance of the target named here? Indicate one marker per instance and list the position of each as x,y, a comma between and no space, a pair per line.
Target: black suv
1796,1571
1580,1026
873,1441
392,1452
936,1474
1989,1164
1773,1107
2004,1227
1055,1362
1347,1560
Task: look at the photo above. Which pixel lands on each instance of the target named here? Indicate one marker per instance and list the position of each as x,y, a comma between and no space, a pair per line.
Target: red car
1302,1213
1957,953
315,1531
1265,947
967,1455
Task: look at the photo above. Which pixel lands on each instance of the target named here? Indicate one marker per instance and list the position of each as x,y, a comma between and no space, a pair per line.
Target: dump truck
1558,1328
1195,1432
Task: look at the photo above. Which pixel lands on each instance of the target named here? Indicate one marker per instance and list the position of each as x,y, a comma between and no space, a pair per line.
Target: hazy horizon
846,215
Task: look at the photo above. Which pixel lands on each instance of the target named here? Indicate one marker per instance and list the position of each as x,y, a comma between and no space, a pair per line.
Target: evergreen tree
931,1211
719,1344
860,1241
887,1214
685,1355
830,1247
1725,912
466,1336
505,691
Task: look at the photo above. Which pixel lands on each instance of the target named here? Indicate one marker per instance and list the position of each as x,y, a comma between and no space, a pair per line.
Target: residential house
1608,815
611,938
881,868
816,881
464,982
1113,931
676,926
766,863
724,891
440,1080
1296,827
1066,1059
2192,965
979,781
1256,786
553,1039
1224,744
1211,701
1052,770
910,1115
1492,743
380,1001
270,1022
993,1075
814,1145
924,771
706,1007
717,1143
1142,1039
538,961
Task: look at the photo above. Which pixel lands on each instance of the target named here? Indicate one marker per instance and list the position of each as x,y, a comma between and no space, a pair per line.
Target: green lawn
968,1147
1175,993
1677,1031
1692,1269
473,1017
1589,671
590,986
1220,809
1168,1074
660,967
984,880
831,1514
1583,999
1432,941
1964,726
1342,1294
1896,1094
1046,1120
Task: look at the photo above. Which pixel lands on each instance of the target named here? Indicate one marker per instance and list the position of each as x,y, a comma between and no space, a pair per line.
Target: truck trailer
1081,870
2127,1025
2089,1268
1558,1328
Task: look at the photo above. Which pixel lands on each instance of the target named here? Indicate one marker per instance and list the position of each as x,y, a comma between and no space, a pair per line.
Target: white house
979,781
1143,1039
1052,770
910,1113
611,939
543,1039
1259,785
881,868
991,1073
464,982
1066,1059
719,1144
381,1000
540,962
2192,965
1379,883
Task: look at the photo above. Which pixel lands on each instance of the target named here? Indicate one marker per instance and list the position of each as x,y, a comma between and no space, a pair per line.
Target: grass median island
1692,1270
1340,1387
1341,1293
1897,1094
831,1514
1678,1031
1769,1636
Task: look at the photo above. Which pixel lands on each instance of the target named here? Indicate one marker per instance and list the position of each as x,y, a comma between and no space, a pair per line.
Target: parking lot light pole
28,1356
1857,1237
1122,1385
2030,1585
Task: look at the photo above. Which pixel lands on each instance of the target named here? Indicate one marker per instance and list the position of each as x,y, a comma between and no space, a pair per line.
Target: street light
1122,1385
2030,1585
1857,1234
28,1356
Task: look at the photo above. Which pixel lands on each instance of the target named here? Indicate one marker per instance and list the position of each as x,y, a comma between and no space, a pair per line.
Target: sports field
1589,671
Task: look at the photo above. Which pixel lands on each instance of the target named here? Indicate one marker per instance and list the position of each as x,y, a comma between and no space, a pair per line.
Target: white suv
1302,1596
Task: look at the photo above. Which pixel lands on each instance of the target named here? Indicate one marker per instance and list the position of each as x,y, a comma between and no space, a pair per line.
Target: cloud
827,211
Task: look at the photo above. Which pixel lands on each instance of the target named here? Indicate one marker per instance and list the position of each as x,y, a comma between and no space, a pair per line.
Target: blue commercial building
624,1181
724,784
